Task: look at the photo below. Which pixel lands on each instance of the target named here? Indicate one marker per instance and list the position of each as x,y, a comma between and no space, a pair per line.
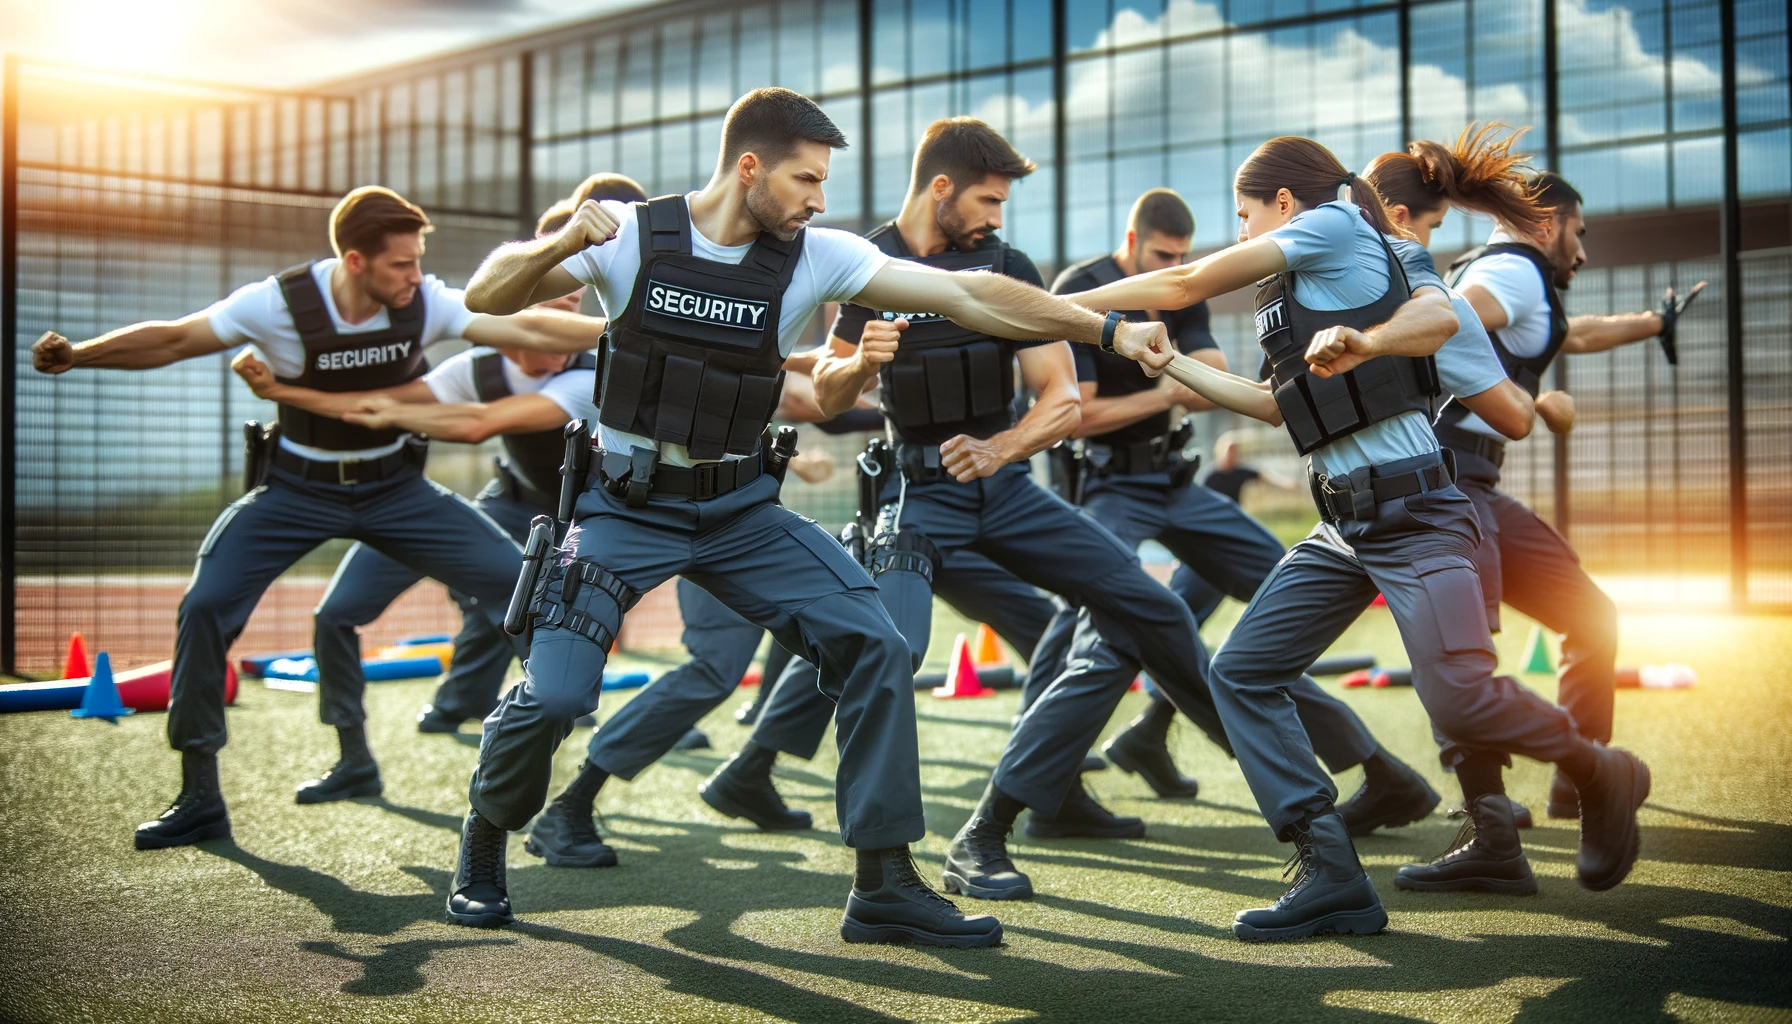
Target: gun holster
259,440
527,594
575,467
1182,469
630,477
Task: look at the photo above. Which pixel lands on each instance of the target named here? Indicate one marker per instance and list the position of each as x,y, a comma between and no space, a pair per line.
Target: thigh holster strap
906,550
563,612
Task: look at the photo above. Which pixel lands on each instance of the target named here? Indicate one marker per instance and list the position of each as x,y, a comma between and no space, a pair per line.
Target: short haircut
611,187
770,123
367,216
1163,211
1554,192
966,151
555,217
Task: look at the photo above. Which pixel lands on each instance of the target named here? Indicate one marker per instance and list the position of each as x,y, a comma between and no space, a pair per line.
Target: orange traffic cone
989,648
75,665
962,679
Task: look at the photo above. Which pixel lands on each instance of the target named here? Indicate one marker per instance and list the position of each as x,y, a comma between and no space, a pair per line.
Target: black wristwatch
1108,327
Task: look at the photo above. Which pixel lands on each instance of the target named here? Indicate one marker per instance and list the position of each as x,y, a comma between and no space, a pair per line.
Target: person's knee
332,615
565,702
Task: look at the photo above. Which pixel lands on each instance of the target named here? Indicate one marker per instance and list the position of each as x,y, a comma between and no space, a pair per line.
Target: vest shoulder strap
305,303
664,226
1104,271
777,257
488,377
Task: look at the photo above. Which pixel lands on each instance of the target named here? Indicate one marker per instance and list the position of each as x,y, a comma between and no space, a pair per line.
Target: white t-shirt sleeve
445,310
592,265
246,314
572,391
1513,282
841,263
452,380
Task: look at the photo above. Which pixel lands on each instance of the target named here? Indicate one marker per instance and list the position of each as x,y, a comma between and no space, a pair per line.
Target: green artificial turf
335,912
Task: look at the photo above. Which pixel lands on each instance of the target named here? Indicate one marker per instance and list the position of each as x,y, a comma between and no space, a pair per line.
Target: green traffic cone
1536,654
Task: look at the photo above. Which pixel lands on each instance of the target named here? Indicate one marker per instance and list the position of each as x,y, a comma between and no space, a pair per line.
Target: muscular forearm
470,424
1051,419
840,380
556,330
1505,407
504,283
1226,390
1599,333
142,346
1102,415
1007,308
1418,328
1182,286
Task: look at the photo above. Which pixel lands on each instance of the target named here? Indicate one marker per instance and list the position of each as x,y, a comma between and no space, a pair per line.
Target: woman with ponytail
1349,332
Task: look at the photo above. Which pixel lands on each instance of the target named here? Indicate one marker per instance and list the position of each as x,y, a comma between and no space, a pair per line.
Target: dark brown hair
366,216
609,186
1480,173
1312,175
1554,193
966,151
1163,211
770,123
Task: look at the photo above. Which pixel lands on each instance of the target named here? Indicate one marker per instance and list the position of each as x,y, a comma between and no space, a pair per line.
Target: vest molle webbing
362,361
694,358
944,373
533,458
1525,371
1319,410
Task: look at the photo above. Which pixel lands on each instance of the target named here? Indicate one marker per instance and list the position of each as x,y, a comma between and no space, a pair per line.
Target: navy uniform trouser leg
722,645
428,528
1418,553
776,569
796,715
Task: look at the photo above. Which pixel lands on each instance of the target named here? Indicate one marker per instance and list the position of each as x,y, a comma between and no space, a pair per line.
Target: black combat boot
479,899
890,903
748,713
434,720
1521,815
1392,794
355,773
742,788
1330,892
1564,799
1485,856
1143,749
565,836
1080,815
1609,797
977,863
196,815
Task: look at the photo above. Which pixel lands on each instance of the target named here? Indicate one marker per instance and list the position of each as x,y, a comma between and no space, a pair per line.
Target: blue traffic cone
100,699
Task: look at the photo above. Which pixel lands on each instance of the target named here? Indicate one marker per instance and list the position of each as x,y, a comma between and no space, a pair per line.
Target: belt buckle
342,472
703,480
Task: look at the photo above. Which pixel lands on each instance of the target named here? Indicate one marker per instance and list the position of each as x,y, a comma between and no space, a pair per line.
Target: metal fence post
1730,234
1552,121
9,329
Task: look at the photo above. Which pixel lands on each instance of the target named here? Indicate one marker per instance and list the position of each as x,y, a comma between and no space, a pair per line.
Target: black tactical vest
1319,410
346,362
1116,375
945,374
534,458
1526,372
694,358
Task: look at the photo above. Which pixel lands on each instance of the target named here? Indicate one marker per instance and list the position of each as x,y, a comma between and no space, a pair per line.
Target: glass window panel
1140,99
796,45
1028,220
843,188
1088,107
1761,79
715,64
426,170
600,83
1085,23
1031,126
1088,221
934,37
636,157
1133,175
677,39
637,78
755,53
839,46
987,99
1138,21
1196,91
398,137
569,92
454,138
1030,34
892,151
927,104
1764,162
889,41
1203,177
986,32
1698,170
678,171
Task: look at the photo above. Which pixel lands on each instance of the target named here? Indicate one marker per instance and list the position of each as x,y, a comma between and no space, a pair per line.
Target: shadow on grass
398,967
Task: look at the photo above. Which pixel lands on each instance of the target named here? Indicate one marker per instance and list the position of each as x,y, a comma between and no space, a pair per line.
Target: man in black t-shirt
1139,485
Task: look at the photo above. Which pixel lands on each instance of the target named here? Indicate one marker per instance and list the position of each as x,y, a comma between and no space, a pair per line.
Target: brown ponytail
1480,173
1312,175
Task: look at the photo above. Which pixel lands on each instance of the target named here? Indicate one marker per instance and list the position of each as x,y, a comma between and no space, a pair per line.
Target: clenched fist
590,225
1148,344
1338,350
52,353
254,372
968,458
880,339
1556,410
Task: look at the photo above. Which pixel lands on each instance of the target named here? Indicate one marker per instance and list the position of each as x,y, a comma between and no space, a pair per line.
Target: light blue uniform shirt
1340,264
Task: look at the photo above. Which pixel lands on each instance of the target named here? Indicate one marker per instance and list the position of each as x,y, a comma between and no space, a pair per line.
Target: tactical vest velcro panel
694,359
944,373
362,361
533,457
1525,371
1319,410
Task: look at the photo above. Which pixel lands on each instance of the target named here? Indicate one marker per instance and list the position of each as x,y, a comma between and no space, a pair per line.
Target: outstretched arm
523,273
1598,333
1104,415
542,329
1418,328
143,346
472,423
1006,308
333,404
1505,407
1180,286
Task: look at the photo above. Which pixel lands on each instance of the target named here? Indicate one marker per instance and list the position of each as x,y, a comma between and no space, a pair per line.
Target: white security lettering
373,355
1270,319
703,307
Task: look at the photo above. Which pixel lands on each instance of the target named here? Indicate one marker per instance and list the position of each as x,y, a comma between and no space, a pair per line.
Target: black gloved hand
1671,308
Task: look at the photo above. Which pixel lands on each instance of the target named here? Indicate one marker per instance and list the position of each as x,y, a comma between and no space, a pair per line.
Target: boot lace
1465,838
579,826
485,856
1301,865
904,875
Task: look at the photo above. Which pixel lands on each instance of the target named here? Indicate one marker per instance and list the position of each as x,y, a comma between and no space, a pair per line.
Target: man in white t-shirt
1514,283
356,322
711,291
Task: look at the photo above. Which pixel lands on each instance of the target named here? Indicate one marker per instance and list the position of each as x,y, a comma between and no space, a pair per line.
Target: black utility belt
1467,442
1153,456
635,476
1356,496
352,471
